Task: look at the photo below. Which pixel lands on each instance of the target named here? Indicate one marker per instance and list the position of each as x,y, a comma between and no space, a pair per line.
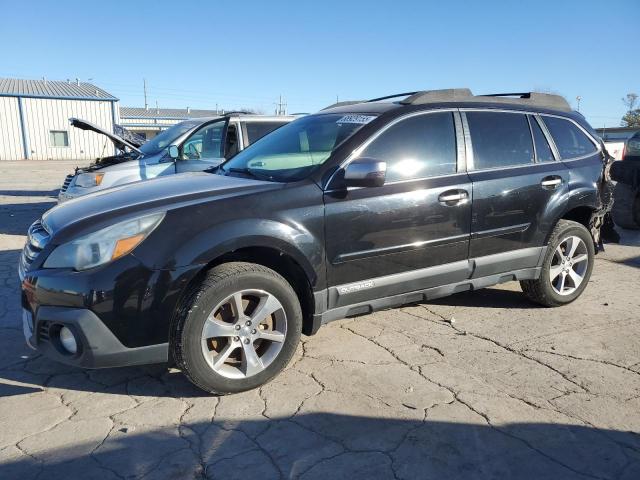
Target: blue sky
245,54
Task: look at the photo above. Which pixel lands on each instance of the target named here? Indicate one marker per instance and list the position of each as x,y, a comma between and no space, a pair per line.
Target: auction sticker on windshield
360,119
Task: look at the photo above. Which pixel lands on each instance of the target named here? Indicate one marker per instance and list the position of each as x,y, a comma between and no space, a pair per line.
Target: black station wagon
361,206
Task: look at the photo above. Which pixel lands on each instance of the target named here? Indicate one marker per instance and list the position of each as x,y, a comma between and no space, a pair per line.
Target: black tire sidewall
198,369
576,230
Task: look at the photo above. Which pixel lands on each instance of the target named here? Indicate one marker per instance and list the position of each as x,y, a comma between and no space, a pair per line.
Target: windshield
293,151
166,138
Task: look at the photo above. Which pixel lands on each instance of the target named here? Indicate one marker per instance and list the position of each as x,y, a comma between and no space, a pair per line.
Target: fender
300,244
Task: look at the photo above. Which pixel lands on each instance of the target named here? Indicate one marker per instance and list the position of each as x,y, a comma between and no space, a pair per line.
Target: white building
147,122
34,120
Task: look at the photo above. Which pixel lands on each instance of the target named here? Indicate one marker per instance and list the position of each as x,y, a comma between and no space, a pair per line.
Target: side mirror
365,172
174,151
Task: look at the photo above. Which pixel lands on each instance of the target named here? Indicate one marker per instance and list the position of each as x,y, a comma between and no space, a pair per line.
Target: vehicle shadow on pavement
30,193
487,298
332,446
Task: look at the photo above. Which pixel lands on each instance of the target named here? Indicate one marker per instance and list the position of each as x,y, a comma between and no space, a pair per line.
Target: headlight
103,246
87,180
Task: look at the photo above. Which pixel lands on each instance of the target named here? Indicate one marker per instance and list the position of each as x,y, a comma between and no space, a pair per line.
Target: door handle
551,182
453,197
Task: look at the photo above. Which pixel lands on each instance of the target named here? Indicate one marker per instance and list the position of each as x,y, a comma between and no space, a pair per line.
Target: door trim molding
374,252
495,232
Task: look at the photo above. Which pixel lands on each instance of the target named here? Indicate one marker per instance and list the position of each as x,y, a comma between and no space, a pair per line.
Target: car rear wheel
237,329
566,268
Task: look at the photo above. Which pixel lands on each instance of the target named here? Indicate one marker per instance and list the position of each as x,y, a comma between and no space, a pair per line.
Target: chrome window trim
460,143
468,146
550,140
357,151
541,114
396,182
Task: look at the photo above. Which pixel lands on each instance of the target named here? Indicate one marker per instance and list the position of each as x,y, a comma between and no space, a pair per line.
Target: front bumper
98,347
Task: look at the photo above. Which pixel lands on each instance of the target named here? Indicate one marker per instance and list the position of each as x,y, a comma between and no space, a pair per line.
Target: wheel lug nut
237,327
246,340
248,323
235,339
254,331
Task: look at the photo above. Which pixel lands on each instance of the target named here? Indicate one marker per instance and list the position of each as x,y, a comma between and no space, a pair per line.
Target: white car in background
615,141
196,145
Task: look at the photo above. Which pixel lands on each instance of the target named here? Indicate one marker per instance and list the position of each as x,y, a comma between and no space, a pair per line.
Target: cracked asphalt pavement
478,385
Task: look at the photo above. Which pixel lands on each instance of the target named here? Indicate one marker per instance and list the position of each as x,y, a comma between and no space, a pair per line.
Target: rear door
413,232
519,189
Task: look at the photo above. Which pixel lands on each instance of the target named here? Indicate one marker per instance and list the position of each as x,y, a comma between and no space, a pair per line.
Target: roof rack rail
342,104
436,96
547,100
237,112
544,100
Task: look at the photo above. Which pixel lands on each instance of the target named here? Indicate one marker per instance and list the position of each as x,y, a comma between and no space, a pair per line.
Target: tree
630,101
632,117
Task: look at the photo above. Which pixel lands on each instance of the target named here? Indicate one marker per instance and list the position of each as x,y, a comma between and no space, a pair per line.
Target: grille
43,331
67,182
37,238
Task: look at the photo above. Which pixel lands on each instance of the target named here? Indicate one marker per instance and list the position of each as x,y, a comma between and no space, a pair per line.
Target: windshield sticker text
359,119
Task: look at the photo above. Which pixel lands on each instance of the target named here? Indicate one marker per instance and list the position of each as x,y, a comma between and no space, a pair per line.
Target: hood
96,210
118,141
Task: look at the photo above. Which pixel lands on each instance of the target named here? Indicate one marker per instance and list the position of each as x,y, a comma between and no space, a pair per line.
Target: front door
413,232
204,148
518,188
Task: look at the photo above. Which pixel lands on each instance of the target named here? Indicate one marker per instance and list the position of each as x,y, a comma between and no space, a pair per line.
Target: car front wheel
237,329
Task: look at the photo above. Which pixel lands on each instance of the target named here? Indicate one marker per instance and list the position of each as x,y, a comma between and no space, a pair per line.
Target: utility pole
144,86
281,107
578,98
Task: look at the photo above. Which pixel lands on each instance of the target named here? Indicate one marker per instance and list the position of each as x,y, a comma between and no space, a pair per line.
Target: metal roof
168,113
15,87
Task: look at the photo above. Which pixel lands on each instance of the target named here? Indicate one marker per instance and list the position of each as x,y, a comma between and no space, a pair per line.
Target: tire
213,343
626,207
546,291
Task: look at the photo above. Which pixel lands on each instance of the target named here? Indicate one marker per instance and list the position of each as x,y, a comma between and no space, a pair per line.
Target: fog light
68,340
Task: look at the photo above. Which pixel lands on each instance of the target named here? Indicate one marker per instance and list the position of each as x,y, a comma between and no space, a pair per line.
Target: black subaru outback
362,206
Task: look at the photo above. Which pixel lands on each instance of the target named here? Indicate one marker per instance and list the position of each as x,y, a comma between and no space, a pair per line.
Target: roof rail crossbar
435,96
545,100
387,97
517,94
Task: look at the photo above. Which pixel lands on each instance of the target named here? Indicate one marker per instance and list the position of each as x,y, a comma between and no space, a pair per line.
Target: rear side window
418,147
257,130
570,140
500,139
543,150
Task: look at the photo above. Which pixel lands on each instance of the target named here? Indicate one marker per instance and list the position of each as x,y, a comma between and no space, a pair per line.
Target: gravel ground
478,385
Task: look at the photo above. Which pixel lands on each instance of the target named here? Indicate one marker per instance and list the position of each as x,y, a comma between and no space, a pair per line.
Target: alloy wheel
244,333
569,265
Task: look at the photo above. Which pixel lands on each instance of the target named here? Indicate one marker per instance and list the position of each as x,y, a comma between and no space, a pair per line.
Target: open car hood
119,142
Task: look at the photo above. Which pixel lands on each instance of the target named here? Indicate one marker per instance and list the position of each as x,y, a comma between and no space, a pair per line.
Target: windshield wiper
246,171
